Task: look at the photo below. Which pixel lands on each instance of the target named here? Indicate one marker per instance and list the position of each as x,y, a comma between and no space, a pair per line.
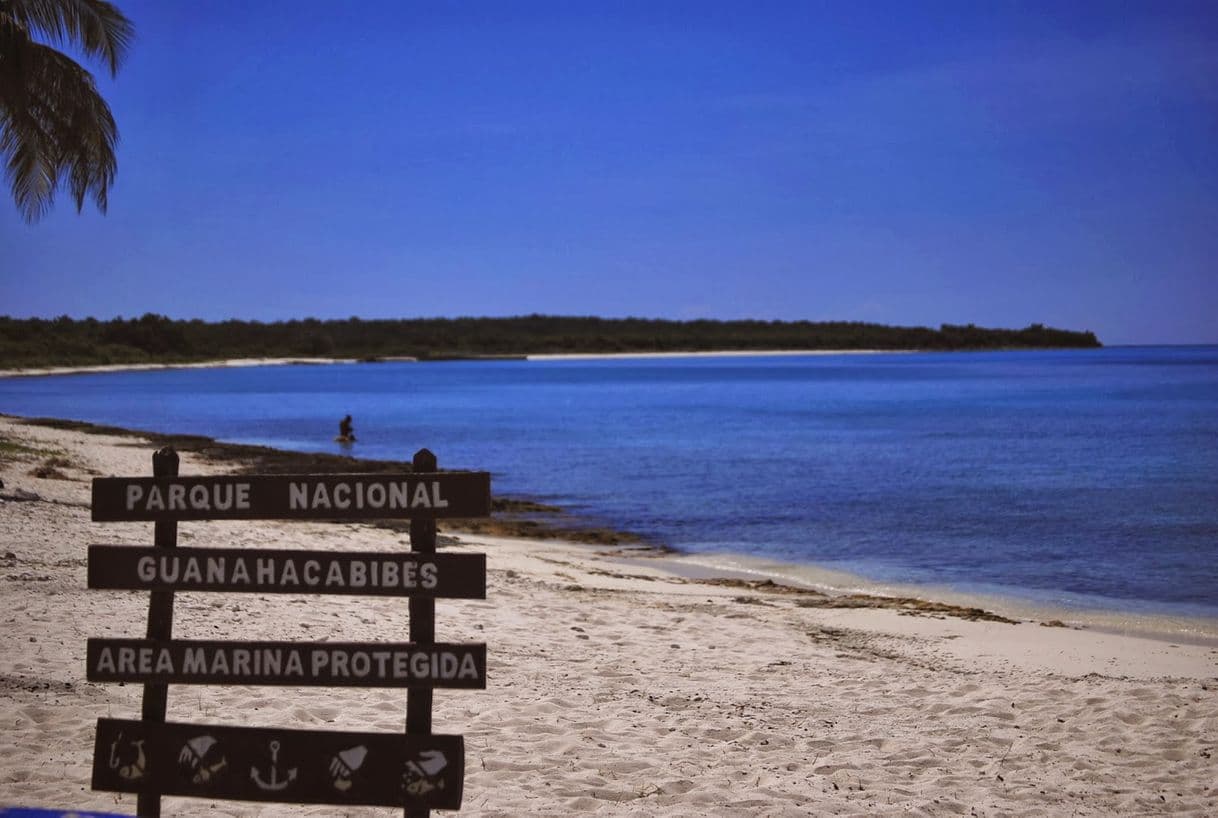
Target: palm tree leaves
54,125
98,28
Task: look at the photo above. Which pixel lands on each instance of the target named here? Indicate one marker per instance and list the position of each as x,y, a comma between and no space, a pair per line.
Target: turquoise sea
1085,479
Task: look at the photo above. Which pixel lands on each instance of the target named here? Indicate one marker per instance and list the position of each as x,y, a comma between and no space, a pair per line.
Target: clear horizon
1000,164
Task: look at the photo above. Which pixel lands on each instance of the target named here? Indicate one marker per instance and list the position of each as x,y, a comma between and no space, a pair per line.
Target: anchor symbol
274,784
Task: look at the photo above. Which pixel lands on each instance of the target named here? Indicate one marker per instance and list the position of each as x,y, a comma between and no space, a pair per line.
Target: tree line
31,342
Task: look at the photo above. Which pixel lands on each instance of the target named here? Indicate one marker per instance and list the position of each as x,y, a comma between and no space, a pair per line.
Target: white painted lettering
312,568
199,499
320,498
134,495
421,498
398,497
376,495
145,569
298,496
342,495
223,499
427,571
194,660
335,575
389,575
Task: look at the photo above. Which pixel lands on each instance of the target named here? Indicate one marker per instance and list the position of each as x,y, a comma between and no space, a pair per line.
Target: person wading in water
346,431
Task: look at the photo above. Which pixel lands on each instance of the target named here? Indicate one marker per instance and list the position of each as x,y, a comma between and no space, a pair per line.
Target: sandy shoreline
729,353
241,362
1196,629
228,362
615,687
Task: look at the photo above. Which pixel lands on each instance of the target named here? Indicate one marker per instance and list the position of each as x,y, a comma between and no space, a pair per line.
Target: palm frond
31,178
53,125
96,27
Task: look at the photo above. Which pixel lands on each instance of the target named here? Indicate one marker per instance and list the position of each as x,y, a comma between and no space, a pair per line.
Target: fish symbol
132,770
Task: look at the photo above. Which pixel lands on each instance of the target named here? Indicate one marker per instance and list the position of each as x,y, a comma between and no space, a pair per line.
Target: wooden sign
293,497
270,764
312,664
139,568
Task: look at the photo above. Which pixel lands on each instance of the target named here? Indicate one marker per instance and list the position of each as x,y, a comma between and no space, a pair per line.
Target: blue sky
900,162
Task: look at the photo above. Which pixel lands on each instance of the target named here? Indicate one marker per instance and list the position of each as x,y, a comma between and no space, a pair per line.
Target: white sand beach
32,372
228,362
615,687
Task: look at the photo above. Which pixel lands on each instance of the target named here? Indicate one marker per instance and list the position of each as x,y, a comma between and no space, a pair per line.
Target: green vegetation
152,338
16,450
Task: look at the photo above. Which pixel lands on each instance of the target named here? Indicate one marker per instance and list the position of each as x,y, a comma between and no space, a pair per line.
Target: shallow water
1083,478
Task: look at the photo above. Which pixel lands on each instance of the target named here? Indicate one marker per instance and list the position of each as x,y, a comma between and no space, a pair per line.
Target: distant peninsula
37,342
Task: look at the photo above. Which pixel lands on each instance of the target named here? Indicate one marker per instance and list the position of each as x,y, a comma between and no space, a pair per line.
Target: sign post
422,623
160,622
416,770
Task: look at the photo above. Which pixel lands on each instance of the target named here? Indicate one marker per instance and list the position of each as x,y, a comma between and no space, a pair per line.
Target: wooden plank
305,664
283,571
293,497
270,764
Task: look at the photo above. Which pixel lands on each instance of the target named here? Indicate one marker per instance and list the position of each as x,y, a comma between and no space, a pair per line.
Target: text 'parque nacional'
443,494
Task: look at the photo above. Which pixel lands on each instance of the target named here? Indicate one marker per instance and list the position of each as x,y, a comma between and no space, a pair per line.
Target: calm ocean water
1076,478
